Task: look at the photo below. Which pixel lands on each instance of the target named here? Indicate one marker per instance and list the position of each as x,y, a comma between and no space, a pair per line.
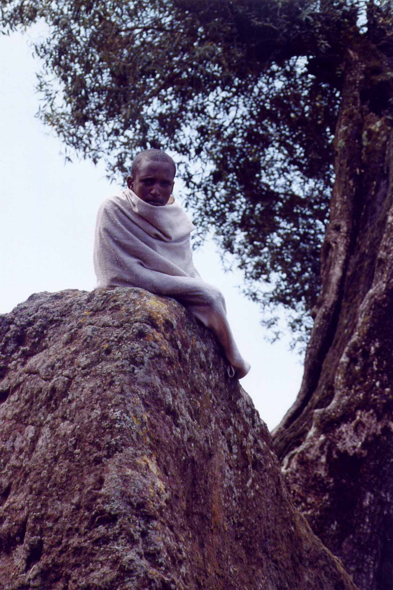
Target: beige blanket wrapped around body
140,245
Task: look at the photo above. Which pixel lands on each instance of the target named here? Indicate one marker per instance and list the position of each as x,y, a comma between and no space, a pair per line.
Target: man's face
153,182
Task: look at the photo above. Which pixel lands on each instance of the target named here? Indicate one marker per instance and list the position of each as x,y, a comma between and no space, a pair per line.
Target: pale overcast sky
47,220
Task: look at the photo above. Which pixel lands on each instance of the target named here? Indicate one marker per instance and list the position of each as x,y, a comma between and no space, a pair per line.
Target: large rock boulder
130,460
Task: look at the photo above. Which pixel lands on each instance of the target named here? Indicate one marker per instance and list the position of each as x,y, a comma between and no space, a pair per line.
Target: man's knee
216,301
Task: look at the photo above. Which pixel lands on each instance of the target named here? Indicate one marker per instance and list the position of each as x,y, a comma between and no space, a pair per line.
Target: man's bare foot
240,371
231,371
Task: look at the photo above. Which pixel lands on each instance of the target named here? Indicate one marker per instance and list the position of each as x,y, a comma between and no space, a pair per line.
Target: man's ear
129,182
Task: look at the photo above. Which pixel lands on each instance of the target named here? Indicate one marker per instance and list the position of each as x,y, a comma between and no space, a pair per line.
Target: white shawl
142,245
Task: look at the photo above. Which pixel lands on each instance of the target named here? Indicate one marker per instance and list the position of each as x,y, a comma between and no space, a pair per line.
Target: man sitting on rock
143,240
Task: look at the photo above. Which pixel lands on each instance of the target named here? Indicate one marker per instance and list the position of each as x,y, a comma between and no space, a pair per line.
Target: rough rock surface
129,459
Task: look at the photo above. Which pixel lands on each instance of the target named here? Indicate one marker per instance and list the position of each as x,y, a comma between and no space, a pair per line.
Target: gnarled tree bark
336,442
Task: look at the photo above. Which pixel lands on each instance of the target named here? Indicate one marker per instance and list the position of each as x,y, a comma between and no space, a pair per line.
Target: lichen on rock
130,460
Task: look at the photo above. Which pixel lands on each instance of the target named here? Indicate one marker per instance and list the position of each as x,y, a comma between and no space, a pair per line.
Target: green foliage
245,92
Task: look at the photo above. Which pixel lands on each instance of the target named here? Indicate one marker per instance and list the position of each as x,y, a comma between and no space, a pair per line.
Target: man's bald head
151,155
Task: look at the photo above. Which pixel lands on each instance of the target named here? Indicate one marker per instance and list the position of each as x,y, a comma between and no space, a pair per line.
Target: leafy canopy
246,92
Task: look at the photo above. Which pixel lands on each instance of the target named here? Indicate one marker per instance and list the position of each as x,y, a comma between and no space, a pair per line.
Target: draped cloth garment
145,246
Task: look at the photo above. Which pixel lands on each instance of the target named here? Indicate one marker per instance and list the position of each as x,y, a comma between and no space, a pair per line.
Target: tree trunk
336,442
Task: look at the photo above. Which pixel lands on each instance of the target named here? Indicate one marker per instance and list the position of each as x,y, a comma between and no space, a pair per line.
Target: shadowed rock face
129,460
